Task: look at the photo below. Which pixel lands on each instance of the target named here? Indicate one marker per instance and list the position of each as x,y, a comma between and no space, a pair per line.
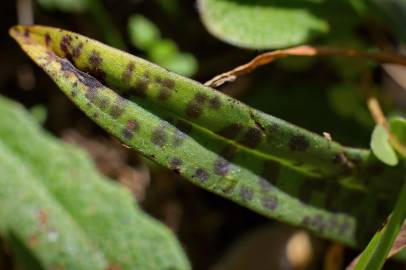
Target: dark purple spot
252,137
231,131
264,185
128,73
298,143
316,222
74,92
269,202
272,128
77,51
164,93
194,109
271,171
91,94
47,38
332,223
344,228
200,98
229,152
215,102
221,167
94,59
165,82
246,193
118,107
140,89
98,73
175,165
202,175
130,129
178,138
168,83
159,136
26,33
65,45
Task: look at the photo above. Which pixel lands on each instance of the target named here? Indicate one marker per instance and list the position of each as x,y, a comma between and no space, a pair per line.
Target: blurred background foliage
201,39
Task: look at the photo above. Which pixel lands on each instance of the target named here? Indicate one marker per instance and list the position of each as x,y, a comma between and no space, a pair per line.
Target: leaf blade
251,158
103,212
261,24
381,147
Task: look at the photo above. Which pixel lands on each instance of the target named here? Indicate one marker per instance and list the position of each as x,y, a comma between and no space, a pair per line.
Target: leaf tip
14,31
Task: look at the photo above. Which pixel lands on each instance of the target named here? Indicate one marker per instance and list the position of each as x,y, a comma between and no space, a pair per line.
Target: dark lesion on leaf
221,166
159,136
299,143
202,175
194,108
175,164
231,131
246,193
215,102
126,77
269,202
118,107
47,39
252,137
131,128
140,89
95,61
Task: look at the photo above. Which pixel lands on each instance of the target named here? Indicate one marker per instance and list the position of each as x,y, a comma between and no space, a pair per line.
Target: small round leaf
381,147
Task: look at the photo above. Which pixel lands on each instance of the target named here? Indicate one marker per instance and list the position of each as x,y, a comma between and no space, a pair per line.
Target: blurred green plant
59,212
64,5
146,36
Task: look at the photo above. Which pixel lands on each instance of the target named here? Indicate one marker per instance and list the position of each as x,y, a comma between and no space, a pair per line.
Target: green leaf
66,214
263,24
143,33
146,36
218,143
374,256
398,128
381,147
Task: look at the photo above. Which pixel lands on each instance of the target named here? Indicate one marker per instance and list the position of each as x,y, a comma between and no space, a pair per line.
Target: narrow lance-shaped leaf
211,139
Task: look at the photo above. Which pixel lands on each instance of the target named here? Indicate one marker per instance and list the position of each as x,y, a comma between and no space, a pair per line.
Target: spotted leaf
218,143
